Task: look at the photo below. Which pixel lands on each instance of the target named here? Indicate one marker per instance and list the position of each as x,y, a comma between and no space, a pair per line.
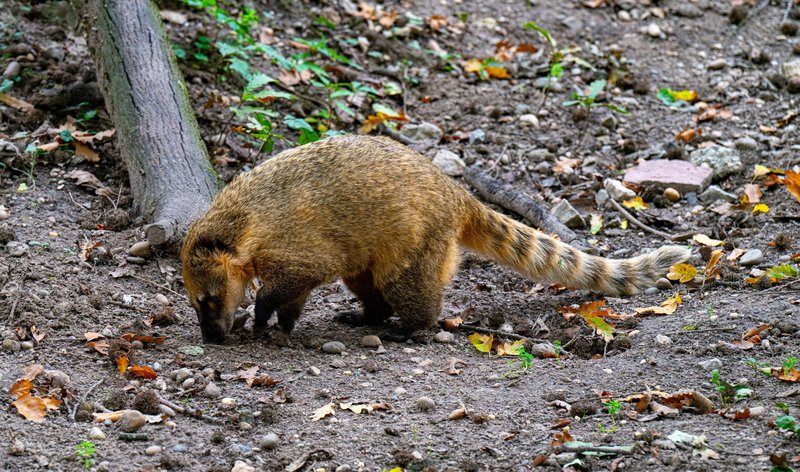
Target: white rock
449,162
617,191
663,340
529,120
212,390
141,249
653,30
443,337
227,403
153,450
269,441
97,434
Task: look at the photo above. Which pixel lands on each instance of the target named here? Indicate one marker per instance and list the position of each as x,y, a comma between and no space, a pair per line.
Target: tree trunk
171,177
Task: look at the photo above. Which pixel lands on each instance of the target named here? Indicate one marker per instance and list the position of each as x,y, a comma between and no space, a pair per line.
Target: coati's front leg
285,292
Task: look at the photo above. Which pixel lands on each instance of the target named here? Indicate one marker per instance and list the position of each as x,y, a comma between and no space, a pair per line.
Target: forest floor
690,390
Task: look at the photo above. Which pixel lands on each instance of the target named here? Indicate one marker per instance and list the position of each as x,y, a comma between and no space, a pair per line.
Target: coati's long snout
383,218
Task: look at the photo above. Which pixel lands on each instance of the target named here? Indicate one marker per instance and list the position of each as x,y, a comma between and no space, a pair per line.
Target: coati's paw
352,318
280,338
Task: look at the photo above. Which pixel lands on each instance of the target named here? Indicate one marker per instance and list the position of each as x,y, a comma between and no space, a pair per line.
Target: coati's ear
212,245
236,264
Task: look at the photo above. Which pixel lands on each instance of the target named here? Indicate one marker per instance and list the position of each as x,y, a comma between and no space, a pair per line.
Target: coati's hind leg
289,313
415,292
375,307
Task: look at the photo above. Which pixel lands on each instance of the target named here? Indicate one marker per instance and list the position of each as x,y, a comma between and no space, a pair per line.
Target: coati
383,218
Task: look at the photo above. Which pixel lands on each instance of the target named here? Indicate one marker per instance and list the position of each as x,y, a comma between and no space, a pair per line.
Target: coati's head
215,275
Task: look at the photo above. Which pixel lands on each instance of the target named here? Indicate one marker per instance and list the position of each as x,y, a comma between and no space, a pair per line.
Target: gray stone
153,450
477,136
422,132
97,434
333,347
425,403
16,248
11,345
12,70
543,350
444,337
751,257
651,290
710,364
182,374
26,345
722,160
371,340
314,370
661,173
140,249
717,64
663,284
746,143
269,441
714,193
686,10
539,155
212,390
791,69
601,197
568,215
449,162
180,448
529,120
522,108
663,340
617,191
55,52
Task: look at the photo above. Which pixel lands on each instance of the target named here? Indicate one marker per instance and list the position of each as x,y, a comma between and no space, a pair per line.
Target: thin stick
184,411
788,10
574,338
142,279
83,398
481,329
593,448
636,222
778,287
16,300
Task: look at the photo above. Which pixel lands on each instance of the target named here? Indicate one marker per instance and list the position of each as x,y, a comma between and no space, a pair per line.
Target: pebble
227,403
617,191
16,248
241,466
245,426
476,136
710,364
370,340
4,214
10,345
425,403
132,420
12,70
671,194
97,434
714,193
333,347
269,441
717,64
663,284
663,340
212,390
26,345
444,337
449,163
162,299
188,383
400,391
344,468
653,30
722,160
651,291
182,374
751,257
153,450
313,370
180,448
141,249
545,350
746,143
165,410
529,120
422,132
567,214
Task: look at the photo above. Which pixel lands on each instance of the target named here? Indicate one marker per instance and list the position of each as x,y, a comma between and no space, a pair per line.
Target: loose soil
75,276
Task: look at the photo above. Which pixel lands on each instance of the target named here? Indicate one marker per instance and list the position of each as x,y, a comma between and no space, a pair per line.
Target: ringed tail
543,258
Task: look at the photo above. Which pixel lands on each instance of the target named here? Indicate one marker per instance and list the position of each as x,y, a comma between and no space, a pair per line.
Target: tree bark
171,177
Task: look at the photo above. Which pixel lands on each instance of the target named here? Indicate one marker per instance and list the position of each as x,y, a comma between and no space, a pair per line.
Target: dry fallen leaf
452,364
752,194
565,166
668,307
792,182
122,364
682,273
450,324
145,372
322,412
706,241
482,342
30,407
689,135
511,349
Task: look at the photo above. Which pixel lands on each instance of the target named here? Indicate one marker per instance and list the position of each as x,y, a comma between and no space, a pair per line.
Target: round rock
212,390
444,337
751,257
269,441
663,284
333,347
425,403
140,249
153,450
97,434
371,340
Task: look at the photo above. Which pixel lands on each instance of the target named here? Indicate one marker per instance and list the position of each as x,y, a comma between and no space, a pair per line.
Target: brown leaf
752,193
84,151
451,324
436,22
452,363
20,388
565,166
143,338
322,412
145,372
792,182
688,135
30,407
16,103
122,364
85,178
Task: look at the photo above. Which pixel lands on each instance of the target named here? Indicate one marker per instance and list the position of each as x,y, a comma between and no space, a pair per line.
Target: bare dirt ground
65,271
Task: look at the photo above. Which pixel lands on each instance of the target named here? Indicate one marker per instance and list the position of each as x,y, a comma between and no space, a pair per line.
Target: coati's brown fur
384,219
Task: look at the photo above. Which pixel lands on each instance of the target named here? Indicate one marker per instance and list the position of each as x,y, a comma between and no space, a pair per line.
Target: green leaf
616,108
200,57
570,103
228,49
240,67
380,108
322,21
781,272
556,70
65,136
665,96
595,88
258,80
6,85
307,136
297,123
545,34
191,350
603,328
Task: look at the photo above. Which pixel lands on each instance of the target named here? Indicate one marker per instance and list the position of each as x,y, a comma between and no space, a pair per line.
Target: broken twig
636,222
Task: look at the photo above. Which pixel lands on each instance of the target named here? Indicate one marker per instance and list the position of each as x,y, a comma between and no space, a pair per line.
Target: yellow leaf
482,342
706,241
473,65
682,273
511,349
760,170
51,403
668,307
497,72
624,224
712,268
636,203
322,412
685,95
122,364
761,208
596,223
793,183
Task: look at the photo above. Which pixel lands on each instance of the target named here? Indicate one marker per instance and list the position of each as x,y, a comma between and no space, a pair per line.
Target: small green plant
762,367
558,350
587,100
525,359
525,362
789,364
85,451
613,408
729,393
788,423
709,311
558,57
